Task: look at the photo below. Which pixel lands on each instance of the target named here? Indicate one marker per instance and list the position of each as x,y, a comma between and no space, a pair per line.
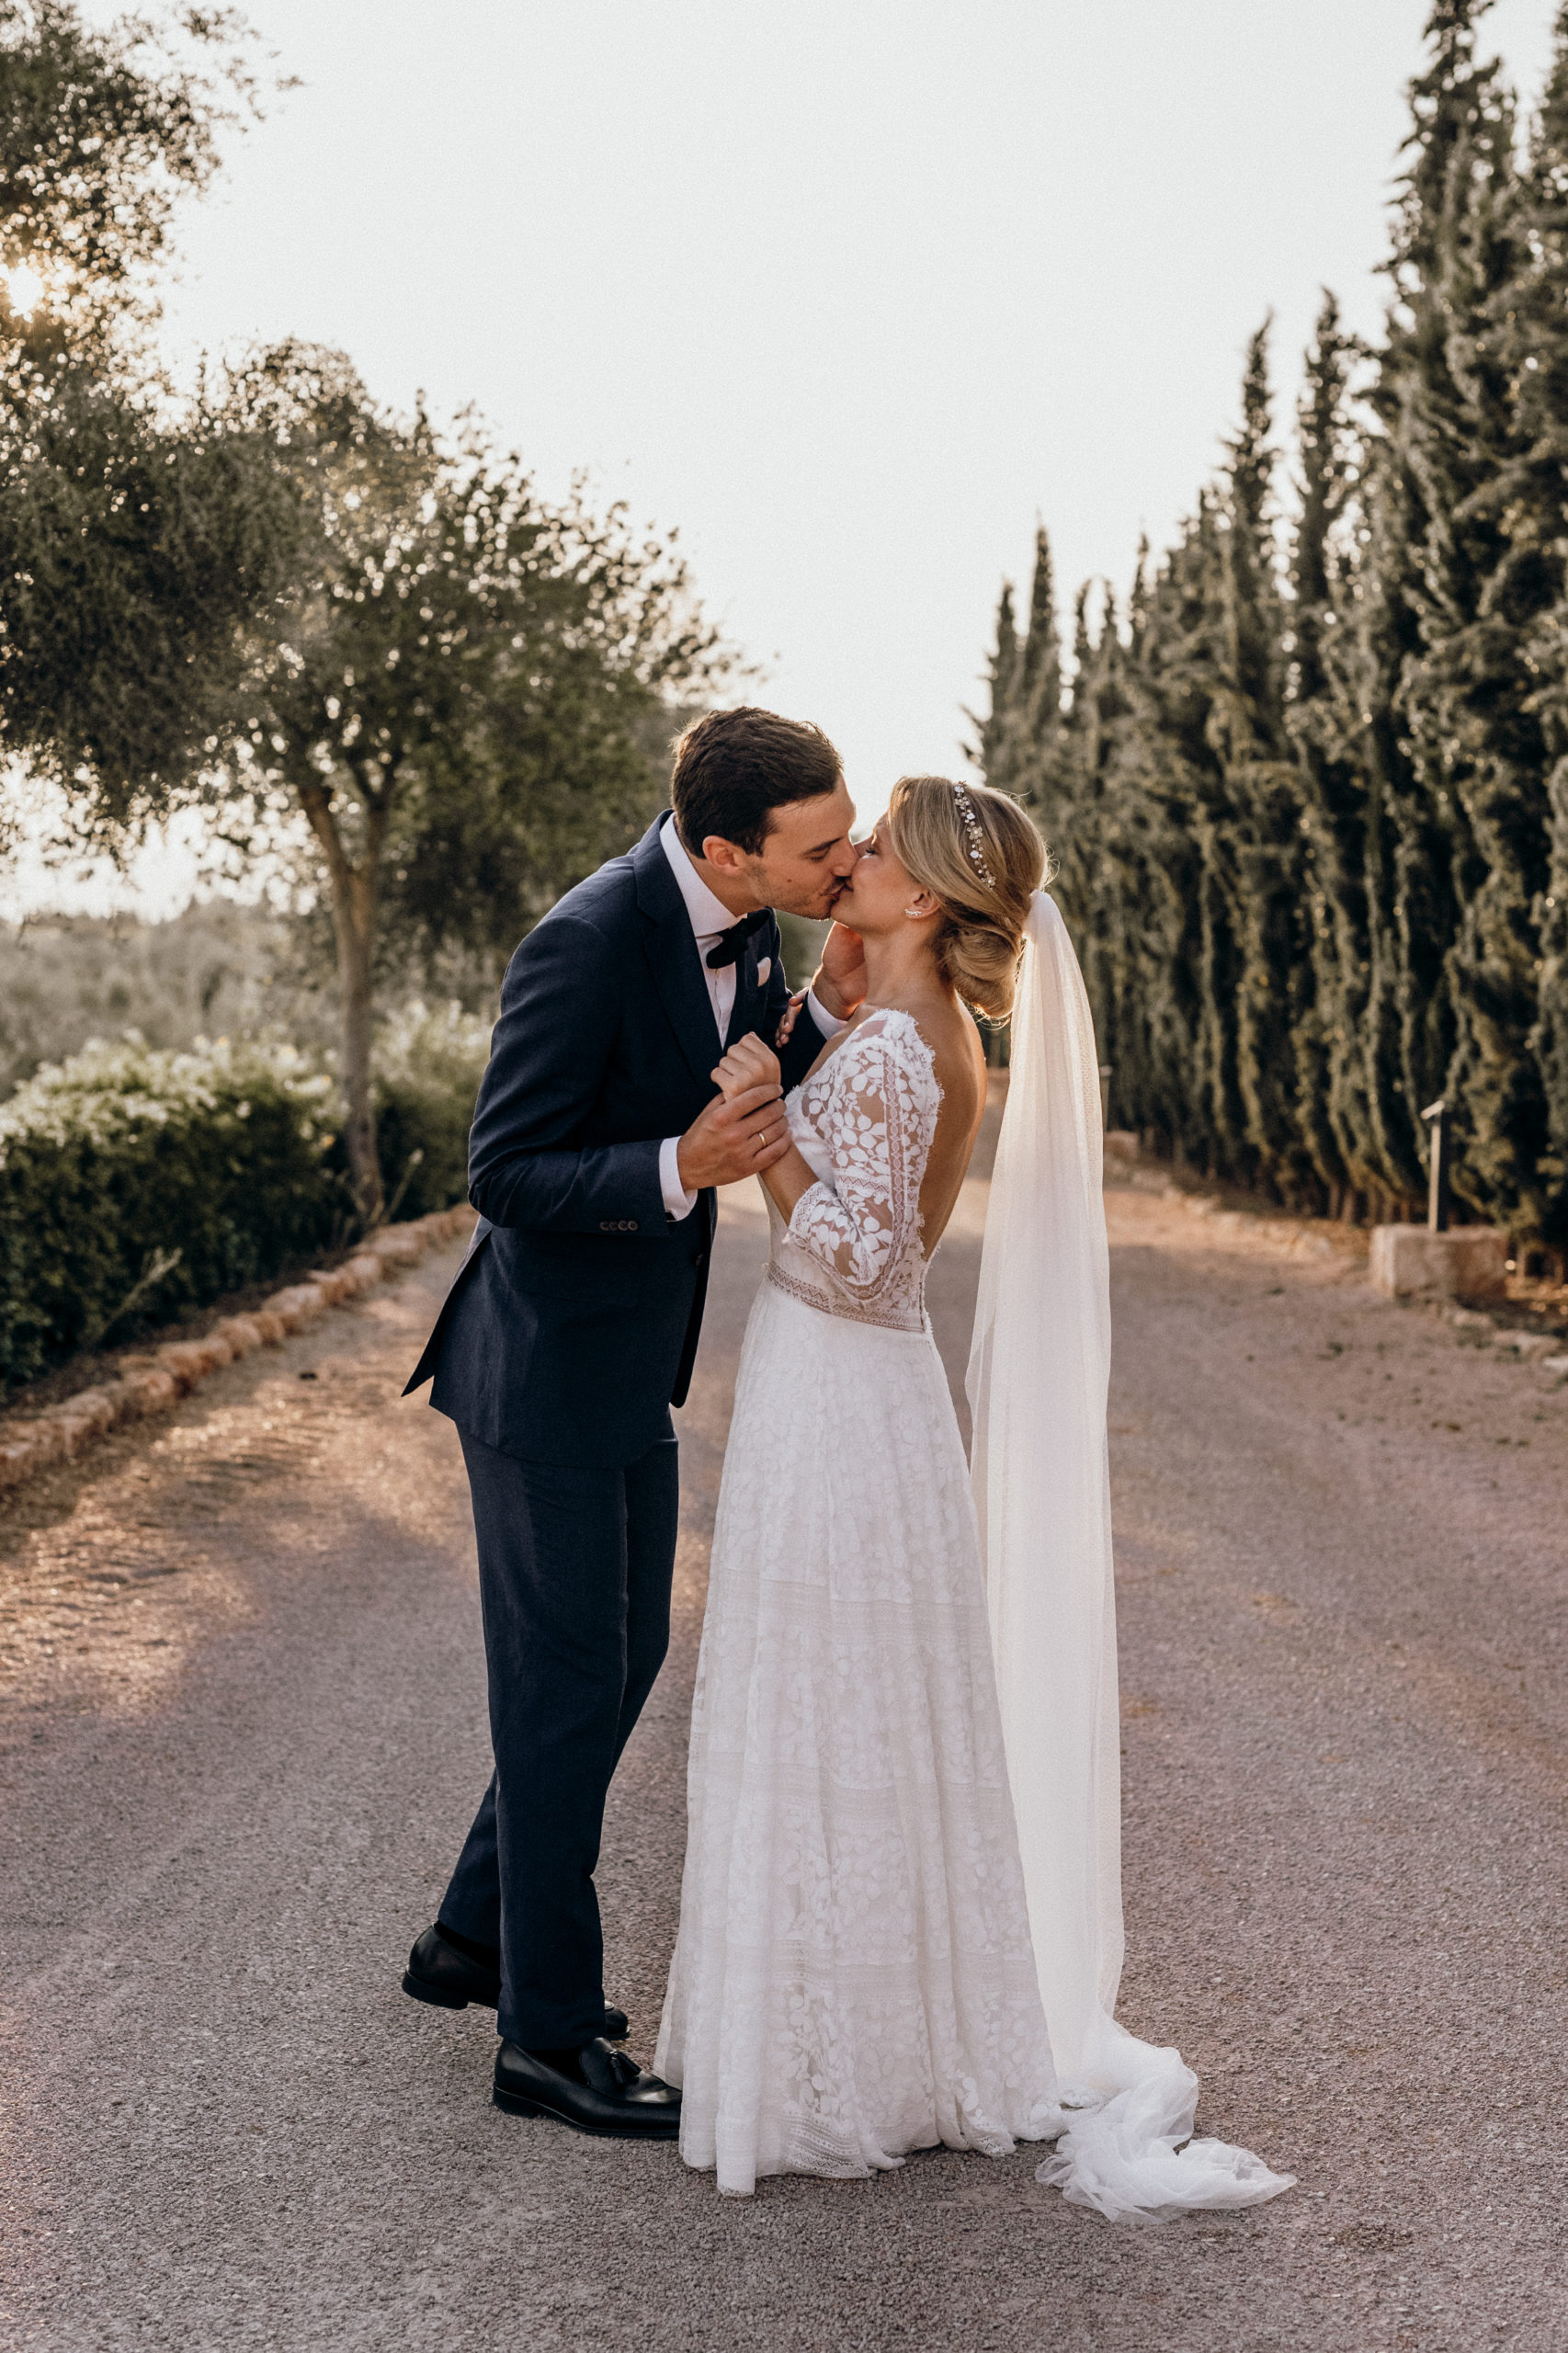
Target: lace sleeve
878,1122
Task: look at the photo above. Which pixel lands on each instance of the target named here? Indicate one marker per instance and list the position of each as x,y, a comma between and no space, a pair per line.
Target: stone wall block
398,1246
294,1306
1467,1262
28,1447
242,1332
184,1360
104,1406
150,1390
90,1410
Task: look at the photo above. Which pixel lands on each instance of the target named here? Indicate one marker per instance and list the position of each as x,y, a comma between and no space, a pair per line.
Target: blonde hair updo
942,833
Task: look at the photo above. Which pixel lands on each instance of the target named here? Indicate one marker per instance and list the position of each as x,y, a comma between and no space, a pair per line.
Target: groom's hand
840,983
728,1141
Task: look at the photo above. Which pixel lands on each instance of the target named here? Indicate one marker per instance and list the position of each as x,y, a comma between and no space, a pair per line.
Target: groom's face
807,855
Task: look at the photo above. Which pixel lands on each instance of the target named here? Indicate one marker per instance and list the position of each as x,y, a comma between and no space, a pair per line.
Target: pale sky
849,291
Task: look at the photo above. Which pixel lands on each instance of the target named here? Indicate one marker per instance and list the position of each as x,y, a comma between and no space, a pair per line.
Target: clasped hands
745,1130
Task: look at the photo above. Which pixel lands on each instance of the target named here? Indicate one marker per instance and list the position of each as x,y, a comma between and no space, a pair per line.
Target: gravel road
242,1731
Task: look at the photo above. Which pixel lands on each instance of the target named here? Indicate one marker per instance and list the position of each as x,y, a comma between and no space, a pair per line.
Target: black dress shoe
616,2098
450,1980
438,1973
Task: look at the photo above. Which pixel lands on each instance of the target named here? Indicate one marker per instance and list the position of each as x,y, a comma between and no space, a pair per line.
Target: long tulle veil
1038,1371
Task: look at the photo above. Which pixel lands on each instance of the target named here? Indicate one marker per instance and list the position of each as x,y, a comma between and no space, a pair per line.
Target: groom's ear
718,852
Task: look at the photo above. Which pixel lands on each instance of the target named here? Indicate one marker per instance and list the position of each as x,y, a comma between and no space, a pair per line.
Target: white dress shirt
709,918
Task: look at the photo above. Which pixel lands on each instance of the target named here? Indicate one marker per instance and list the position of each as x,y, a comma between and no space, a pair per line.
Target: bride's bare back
958,1061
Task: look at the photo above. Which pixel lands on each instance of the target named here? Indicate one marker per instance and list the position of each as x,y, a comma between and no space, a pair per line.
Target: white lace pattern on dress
865,1121
853,1977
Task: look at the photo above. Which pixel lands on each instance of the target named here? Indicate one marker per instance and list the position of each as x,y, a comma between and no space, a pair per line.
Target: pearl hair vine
974,839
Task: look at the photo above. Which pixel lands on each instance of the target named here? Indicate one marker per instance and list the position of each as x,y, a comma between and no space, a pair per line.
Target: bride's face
881,894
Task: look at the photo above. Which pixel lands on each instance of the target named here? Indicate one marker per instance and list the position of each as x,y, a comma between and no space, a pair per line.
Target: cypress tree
1197,794
1366,736
1262,840
1060,798
1172,931
1039,669
1429,561
994,749
1327,1038
1530,593
1094,853
1476,741
1018,734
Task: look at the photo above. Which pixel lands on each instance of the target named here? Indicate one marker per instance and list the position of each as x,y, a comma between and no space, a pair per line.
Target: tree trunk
353,892
355,925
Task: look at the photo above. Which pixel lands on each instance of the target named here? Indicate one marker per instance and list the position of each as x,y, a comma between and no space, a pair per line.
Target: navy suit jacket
572,1324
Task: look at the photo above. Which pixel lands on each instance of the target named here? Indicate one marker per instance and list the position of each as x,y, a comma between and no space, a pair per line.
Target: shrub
137,1182
126,1156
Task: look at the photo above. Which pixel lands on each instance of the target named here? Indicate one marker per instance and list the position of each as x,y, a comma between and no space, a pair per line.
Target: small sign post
1436,1118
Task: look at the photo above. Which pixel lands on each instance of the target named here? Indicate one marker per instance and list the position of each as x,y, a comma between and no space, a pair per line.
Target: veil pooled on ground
1038,1371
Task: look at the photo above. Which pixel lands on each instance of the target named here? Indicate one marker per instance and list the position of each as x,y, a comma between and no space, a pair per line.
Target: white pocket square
764,972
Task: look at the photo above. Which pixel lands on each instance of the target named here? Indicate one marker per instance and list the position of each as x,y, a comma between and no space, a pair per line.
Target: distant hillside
216,970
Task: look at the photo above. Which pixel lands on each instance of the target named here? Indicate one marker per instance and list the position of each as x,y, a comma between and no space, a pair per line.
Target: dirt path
242,1733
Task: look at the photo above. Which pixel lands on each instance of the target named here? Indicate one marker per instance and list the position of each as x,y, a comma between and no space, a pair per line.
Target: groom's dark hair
733,769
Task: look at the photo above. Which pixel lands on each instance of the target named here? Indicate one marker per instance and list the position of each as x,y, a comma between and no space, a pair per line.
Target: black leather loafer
617,2100
438,1973
450,1980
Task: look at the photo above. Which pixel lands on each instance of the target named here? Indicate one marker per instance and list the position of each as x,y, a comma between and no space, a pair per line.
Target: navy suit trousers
574,1571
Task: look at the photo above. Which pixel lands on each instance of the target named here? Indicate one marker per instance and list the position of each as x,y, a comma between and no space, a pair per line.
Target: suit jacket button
632,1225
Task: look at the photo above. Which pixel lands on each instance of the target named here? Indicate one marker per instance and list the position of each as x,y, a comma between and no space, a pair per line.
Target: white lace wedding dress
854,1976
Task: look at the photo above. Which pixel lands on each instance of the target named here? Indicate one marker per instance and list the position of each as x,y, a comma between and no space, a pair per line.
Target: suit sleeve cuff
678,1203
820,1015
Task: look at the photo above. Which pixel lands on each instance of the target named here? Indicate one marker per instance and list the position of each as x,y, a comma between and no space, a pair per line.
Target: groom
569,1332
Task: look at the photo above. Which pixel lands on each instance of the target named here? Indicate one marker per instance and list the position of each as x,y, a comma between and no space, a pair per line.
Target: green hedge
135,1184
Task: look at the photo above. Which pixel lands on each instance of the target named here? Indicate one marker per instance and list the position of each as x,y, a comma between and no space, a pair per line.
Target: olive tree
456,692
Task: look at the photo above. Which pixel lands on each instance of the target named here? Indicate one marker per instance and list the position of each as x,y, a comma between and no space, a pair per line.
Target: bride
875,1953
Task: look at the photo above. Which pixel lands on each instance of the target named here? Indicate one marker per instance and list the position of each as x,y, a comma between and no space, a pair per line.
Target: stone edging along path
152,1382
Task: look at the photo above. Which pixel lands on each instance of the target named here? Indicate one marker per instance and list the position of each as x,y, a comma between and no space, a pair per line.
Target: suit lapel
672,957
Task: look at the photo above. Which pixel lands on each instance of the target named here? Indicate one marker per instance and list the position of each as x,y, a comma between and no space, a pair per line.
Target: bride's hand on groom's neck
840,983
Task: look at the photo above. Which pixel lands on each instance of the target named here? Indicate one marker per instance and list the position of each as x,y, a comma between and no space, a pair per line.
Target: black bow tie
730,945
